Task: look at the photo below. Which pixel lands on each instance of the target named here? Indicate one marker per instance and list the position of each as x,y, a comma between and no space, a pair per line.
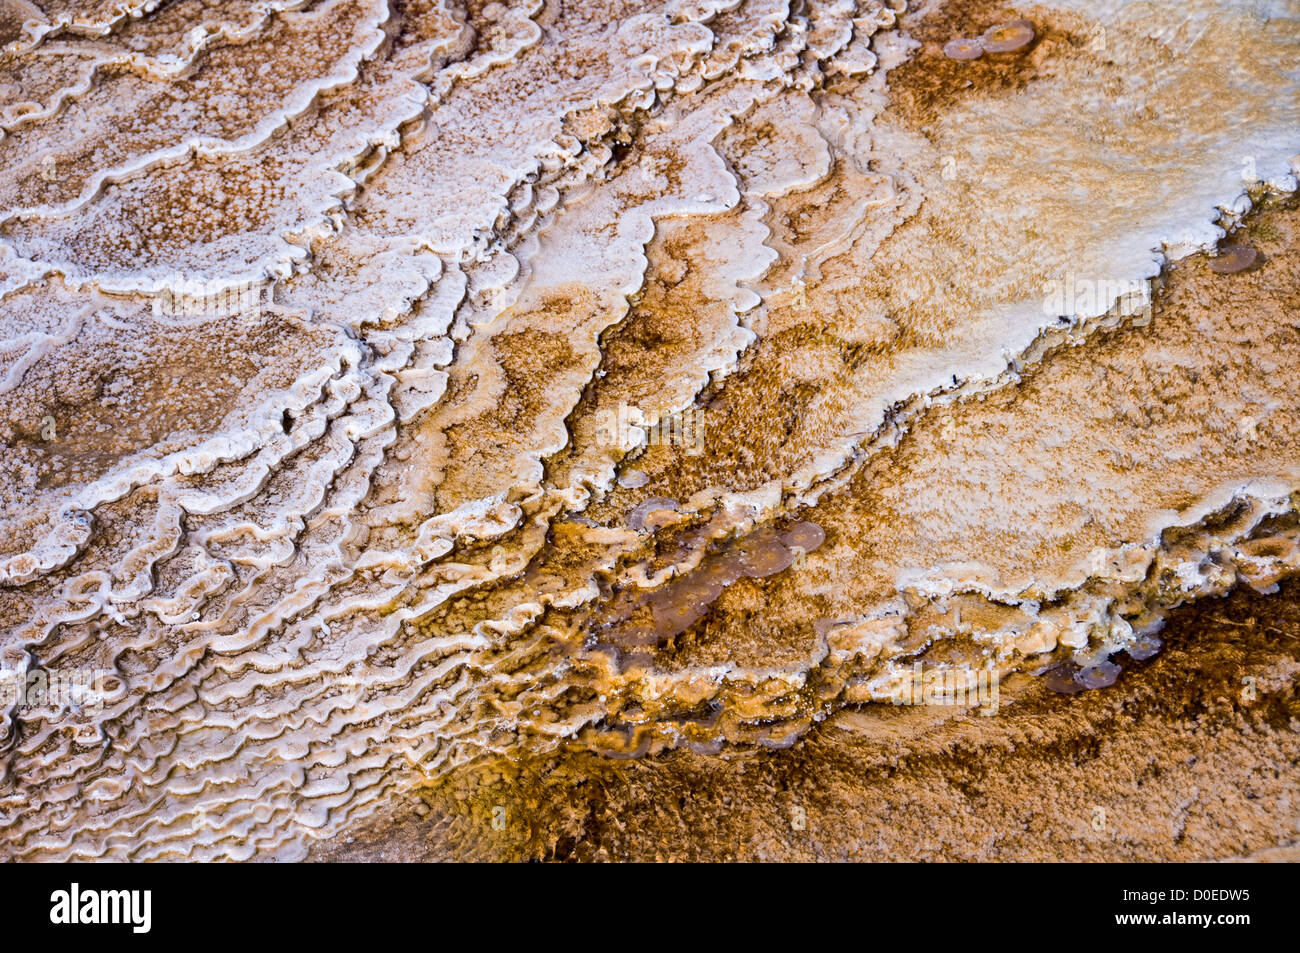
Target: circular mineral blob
1101,675
632,479
765,556
673,614
1144,647
964,48
698,588
724,570
1062,680
807,536
1233,258
1008,37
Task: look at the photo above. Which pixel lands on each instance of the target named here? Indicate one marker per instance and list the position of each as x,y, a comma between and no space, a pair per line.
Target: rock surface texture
757,429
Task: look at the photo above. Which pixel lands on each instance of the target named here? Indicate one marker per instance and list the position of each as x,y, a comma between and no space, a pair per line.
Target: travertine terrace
420,414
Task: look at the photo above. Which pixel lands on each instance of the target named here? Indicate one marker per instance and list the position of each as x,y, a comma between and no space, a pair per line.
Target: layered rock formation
401,394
